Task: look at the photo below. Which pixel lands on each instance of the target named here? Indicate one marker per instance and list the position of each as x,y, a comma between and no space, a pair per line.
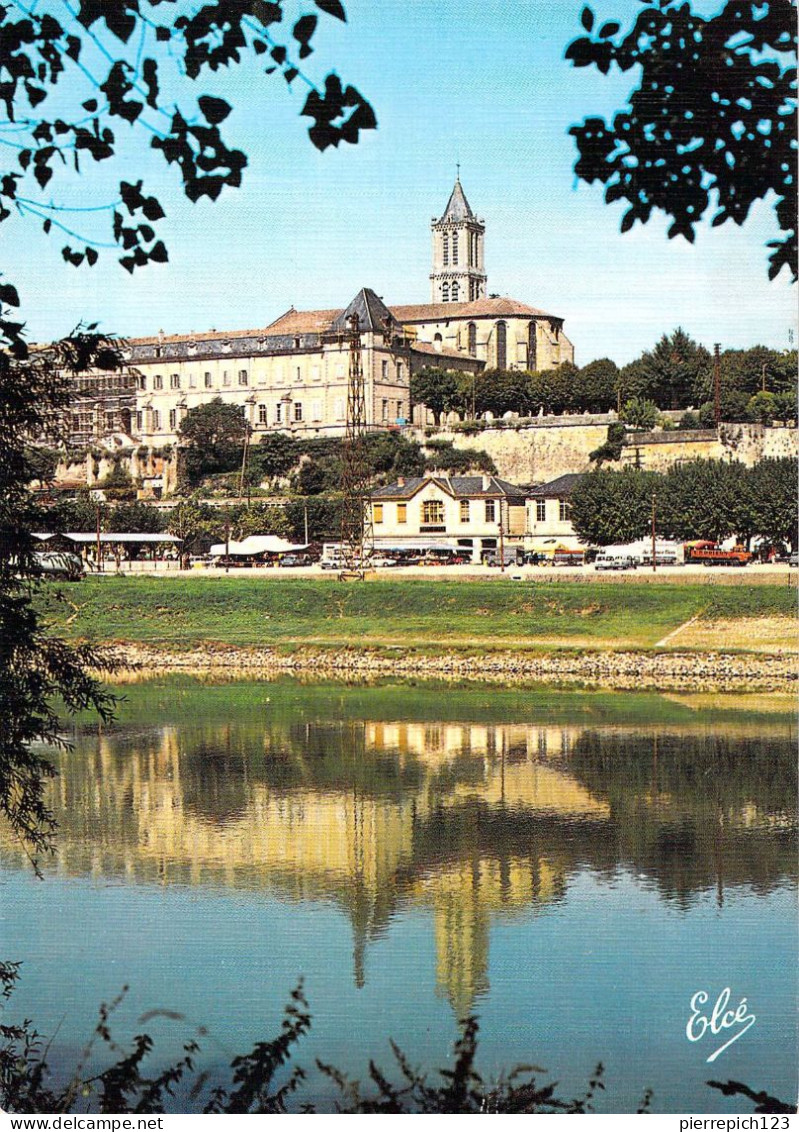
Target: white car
615,562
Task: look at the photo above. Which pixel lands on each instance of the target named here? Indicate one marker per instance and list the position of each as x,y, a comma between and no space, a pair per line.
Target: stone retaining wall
622,670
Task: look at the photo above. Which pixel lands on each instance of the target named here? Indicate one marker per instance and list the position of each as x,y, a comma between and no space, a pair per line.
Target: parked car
793,559
381,561
615,562
295,560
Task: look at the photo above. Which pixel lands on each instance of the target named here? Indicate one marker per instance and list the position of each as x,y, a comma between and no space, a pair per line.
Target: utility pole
763,378
717,384
99,556
501,540
654,543
227,546
305,518
357,535
244,454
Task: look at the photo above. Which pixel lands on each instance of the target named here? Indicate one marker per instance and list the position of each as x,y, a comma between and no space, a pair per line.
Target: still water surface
570,866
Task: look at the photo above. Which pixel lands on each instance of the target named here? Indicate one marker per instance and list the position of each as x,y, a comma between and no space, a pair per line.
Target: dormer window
296,343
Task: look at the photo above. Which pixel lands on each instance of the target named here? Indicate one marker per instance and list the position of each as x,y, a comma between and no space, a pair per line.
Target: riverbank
685,634
425,616
710,672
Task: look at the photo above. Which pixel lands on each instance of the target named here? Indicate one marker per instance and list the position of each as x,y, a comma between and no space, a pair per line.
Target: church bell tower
458,274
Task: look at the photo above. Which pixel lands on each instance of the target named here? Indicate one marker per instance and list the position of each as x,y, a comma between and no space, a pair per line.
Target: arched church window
445,292
454,247
446,249
502,345
532,352
455,292
472,338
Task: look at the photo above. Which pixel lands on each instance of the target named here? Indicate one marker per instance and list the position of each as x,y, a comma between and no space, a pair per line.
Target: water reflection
470,822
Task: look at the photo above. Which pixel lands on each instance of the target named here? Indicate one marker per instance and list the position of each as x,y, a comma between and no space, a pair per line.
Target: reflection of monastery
470,821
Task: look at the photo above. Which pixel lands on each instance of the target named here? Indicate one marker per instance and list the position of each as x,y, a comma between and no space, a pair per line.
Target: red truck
710,554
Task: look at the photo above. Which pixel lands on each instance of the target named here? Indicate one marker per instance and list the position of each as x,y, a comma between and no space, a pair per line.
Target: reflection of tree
713,812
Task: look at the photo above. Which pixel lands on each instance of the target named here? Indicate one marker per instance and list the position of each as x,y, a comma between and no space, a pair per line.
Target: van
615,562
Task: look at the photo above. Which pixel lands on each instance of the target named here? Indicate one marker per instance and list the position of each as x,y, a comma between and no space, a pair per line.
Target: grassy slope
425,613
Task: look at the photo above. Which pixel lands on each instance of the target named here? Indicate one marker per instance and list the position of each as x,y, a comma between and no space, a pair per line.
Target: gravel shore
671,671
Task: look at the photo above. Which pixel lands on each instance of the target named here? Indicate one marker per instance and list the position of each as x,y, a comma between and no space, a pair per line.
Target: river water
572,867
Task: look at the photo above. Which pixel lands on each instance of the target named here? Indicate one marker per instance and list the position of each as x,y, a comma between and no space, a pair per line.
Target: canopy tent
254,545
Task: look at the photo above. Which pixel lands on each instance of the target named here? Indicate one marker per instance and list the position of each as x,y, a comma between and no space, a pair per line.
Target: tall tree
773,492
436,389
613,508
710,123
35,667
596,384
214,433
669,373
707,499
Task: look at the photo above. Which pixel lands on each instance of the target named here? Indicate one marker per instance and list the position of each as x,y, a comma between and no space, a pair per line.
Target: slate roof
460,487
561,488
372,312
457,205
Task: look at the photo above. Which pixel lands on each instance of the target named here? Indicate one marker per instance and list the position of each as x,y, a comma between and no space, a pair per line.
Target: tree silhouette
711,124
127,66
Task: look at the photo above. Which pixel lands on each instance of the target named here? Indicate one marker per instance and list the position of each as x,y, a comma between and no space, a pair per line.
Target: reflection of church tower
458,274
461,928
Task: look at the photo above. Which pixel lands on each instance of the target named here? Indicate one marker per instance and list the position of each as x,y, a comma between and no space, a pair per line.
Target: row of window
451,248
283,413
433,511
226,347
243,377
451,292
564,510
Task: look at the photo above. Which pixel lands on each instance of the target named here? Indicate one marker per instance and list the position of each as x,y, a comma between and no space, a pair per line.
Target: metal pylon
357,533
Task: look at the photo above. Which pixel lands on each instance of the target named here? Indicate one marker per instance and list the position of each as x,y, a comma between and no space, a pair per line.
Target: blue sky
479,81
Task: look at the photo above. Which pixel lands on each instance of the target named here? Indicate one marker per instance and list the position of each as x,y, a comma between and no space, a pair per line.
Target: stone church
292,374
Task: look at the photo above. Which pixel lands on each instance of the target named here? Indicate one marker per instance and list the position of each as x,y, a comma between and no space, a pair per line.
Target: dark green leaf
332,8
214,110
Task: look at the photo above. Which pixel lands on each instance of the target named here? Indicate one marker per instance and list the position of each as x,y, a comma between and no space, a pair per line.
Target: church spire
458,274
457,206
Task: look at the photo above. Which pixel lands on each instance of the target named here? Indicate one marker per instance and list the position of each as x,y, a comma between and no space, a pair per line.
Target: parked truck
711,554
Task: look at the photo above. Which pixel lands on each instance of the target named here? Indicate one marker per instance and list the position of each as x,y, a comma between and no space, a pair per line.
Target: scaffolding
357,533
